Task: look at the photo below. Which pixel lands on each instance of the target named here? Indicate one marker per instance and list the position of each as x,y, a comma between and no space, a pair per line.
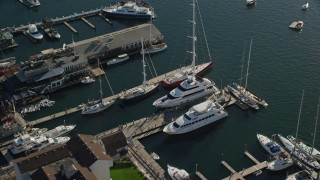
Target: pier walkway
251,170
155,80
57,20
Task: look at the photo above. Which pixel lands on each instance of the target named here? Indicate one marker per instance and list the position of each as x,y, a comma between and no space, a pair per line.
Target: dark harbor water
283,63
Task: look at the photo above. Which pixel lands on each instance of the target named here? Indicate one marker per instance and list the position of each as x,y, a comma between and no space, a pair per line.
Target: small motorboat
33,32
297,25
251,2
55,34
87,80
281,162
177,174
305,6
119,59
155,156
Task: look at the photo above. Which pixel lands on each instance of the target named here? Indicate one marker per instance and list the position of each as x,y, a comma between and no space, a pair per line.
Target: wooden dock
89,23
200,176
70,27
57,20
251,170
104,18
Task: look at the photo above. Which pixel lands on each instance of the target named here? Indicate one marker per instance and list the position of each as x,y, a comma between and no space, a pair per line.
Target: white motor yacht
269,145
42,142
34,33
130,9
58,131
155,156
21,144
119,59
250,2
178,174
281,162
198,116
55,34
31,3
191,89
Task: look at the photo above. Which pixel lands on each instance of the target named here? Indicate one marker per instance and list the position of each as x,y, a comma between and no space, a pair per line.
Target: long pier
57,20
155,80
253,169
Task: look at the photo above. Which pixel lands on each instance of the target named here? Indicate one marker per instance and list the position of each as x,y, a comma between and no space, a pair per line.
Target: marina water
283,63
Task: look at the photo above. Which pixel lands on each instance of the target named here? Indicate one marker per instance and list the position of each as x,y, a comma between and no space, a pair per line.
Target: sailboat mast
295,142
315,127
100,81
143,65
242,60
150,30
245,87
193,34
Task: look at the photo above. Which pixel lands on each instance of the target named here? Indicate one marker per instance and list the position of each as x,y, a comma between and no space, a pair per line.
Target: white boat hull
265,141
98,109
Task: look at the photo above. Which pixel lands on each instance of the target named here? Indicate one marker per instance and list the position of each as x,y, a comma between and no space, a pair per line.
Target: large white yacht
198,116
191,89
42,142
21,144
178,174
130,9
58,131
269,145
33,32
305,175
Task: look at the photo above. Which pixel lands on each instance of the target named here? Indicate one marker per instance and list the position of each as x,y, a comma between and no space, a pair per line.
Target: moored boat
182,74
87,80
143,90
43,142
155,156
33,32
130,9
198,116
58,131
189,90
300,175
253,97
306,148
177,174
269,145
120,58
243,98
281,162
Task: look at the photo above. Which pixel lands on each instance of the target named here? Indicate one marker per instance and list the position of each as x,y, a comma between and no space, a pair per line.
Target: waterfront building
115,144
83,156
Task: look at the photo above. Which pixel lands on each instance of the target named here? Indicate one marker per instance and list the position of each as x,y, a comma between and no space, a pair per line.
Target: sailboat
98,105
296,152
141,91
182,74
304,147
154,45
245,91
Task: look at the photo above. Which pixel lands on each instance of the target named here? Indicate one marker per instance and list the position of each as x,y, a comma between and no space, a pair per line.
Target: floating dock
251,170
70,27
88,23
57,20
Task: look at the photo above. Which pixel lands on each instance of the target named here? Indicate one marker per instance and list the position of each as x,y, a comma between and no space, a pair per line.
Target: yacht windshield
184,89
187,117
176,125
